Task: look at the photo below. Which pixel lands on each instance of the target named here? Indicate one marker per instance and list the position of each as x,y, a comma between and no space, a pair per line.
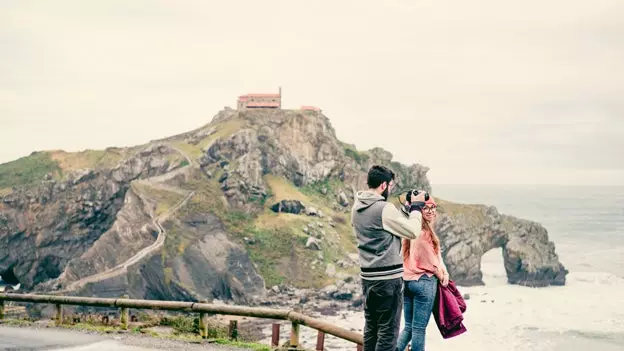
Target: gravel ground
64,338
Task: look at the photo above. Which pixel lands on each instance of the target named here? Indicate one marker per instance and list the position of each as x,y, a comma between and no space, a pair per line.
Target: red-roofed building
260,101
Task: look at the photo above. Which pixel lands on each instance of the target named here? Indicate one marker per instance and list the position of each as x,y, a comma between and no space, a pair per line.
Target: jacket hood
366,198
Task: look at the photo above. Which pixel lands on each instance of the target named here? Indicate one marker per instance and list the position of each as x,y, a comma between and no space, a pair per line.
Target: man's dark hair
377,175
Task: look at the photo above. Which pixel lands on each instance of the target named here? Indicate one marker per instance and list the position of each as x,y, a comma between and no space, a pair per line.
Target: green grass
165,200
315,189
17,322
176,242
359,156
87,159
182,324
470,214
175,158
242,344
191,150
282,189
222,130
28,170
270,247
278,247
31,169
338,241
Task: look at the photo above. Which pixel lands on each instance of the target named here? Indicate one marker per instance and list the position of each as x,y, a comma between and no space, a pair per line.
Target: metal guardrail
203,309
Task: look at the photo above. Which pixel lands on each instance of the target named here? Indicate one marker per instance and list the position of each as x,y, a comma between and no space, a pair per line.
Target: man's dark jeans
383,300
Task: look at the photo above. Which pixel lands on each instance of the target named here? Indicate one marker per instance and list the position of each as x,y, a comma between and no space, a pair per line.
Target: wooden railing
203,309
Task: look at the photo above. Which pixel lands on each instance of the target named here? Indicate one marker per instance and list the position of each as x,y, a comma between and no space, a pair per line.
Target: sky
482,91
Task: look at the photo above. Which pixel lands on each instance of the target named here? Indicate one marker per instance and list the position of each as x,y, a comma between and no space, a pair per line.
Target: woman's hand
443,277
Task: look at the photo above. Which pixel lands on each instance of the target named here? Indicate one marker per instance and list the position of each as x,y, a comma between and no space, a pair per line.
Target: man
379,227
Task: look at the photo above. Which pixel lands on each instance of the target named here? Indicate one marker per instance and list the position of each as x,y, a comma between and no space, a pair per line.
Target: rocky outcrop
407,176
283,143
469,231
299,147
61,231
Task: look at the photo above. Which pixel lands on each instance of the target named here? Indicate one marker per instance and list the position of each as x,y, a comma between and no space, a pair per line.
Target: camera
415,192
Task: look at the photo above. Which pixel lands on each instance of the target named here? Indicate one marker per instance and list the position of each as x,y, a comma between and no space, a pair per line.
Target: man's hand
445,280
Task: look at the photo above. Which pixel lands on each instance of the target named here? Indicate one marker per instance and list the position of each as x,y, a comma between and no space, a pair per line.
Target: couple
395,273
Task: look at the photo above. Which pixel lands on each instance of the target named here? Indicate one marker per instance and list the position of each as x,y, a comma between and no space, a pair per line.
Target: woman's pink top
422,258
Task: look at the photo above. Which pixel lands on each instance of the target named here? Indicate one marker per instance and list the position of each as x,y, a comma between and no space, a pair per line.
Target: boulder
313,244
311,211
342,199
288,206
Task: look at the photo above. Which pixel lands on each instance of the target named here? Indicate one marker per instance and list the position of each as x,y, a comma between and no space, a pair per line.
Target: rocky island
250,208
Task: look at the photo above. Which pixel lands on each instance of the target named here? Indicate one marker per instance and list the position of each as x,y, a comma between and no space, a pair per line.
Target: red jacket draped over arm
447,310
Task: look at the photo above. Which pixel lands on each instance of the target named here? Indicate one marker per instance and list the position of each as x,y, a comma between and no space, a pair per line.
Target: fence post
59,314
275,335
203,323
1,309
233,330
320,341
124,314
294,335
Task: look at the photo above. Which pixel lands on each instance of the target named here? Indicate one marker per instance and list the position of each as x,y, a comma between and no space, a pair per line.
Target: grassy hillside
28,170
32,169
275,241
88,159
224,129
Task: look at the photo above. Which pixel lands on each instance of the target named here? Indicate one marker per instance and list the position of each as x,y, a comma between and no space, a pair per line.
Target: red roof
263,104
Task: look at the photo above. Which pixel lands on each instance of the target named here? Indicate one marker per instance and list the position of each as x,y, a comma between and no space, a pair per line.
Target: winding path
162,233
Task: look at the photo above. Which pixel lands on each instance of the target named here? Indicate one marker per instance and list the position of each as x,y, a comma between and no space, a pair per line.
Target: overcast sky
484,91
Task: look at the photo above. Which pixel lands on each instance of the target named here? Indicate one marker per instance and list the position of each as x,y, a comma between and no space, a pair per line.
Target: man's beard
385,194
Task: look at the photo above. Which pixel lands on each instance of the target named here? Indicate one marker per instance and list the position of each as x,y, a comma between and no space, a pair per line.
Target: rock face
196,208
469,231
60,232
301,148
46,228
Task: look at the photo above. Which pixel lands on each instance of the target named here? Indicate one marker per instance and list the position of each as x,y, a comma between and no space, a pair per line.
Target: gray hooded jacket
379,227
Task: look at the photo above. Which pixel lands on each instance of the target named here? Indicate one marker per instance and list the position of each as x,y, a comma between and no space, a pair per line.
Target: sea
587,226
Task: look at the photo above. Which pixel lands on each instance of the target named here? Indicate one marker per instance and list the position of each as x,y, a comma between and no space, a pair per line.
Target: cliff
251,200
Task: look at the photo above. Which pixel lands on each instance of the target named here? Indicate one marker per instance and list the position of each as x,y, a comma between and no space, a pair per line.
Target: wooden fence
203,309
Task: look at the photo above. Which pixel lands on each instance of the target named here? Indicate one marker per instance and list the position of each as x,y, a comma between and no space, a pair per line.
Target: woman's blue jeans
418,298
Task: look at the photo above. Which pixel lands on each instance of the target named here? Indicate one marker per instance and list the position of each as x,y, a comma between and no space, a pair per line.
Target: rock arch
467,232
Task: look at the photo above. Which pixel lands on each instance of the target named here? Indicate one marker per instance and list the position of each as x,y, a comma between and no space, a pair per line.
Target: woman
423,268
